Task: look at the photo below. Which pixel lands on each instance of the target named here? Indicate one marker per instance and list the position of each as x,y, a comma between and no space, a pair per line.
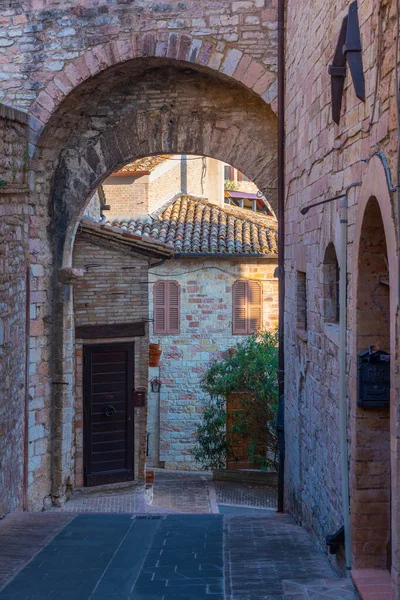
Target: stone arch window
246,307
166,307
330,271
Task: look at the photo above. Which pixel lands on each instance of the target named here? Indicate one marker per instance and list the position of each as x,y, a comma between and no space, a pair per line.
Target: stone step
319,589
373,584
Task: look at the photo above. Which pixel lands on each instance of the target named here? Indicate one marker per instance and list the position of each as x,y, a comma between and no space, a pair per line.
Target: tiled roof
143,244
145,164
194,225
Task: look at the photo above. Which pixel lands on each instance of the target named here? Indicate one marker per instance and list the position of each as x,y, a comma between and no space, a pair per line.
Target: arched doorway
140,108
371,477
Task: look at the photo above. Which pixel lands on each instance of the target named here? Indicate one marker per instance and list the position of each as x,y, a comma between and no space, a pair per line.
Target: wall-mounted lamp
155,384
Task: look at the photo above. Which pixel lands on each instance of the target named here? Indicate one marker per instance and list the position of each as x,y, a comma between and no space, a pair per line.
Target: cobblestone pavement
22,535
242,554
261,552
164,557
257,496
185,492
173,491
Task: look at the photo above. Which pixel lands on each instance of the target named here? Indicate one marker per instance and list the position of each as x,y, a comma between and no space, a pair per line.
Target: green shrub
250,369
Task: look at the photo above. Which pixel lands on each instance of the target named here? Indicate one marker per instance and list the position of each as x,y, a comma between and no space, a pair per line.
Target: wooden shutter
239,308
173,305
159,294
246,307
254,306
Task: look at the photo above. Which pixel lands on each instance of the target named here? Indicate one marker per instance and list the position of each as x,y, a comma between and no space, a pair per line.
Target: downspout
344,464
281,245
344,459
26,396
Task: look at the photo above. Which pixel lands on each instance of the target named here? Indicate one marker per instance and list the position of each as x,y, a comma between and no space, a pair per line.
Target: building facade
111,310
356,159
217,249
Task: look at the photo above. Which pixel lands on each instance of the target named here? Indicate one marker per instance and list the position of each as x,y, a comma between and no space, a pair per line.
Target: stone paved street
164,557
201,495
245,552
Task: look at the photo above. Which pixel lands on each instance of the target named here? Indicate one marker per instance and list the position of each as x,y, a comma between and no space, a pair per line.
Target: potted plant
154,355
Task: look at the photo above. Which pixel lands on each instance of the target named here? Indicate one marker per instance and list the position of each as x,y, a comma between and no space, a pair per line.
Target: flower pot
154,355
149,477
154,346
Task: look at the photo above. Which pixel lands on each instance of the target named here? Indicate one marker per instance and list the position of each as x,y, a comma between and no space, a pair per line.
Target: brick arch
227,61
247,141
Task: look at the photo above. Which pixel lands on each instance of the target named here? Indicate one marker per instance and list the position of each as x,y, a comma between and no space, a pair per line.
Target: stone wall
114,289
205,335
49,39
104,84
322,160
14,269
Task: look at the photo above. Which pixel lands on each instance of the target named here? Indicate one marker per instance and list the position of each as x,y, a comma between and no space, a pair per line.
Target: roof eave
224,255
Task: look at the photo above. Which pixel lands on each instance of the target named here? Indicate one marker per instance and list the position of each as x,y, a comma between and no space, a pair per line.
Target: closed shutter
159,293
246,307
239,302
166,307
173,307
254,306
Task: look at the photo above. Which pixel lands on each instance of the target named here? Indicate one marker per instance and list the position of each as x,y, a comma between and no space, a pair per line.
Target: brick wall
114,289
205,335
14,261
322,160
126,195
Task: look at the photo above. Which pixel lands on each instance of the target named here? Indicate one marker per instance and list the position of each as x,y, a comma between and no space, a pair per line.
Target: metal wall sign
373,378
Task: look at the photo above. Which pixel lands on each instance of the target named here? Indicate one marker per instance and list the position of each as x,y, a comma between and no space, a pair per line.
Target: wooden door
108,413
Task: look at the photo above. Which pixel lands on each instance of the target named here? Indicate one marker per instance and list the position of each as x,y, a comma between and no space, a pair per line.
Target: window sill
331,330
302,334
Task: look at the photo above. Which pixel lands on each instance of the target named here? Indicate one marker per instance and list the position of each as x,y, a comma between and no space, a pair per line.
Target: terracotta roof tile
194,225
145,164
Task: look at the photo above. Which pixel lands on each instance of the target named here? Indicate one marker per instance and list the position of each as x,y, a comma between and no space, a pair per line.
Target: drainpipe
26,397
281,240
344,459
344,464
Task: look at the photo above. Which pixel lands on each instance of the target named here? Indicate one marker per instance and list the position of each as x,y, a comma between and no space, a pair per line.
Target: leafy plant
250,370
211,448
231,185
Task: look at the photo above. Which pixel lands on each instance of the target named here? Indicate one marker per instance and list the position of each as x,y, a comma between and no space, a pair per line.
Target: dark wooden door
108,413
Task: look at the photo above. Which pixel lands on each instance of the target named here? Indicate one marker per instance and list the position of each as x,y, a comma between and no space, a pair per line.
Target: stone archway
374,437
137,108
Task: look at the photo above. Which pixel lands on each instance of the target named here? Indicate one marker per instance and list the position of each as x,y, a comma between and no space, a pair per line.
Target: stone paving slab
22,536
242,494
320,589
268,549
100,557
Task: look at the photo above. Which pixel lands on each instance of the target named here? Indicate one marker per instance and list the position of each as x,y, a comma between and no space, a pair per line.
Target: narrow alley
199,540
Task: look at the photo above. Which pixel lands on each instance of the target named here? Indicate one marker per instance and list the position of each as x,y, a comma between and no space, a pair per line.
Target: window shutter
239,297
254,306
159,293
173,307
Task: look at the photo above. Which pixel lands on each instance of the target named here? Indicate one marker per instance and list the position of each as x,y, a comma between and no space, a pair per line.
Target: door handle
109,411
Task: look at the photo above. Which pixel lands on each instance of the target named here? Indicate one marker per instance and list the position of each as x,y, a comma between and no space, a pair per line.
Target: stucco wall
205,335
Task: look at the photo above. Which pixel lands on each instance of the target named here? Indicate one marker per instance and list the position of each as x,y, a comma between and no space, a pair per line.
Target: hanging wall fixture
348,51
